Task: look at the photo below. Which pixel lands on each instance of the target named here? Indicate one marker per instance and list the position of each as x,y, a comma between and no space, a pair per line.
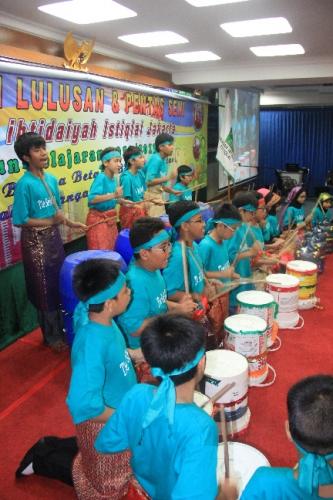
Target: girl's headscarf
291,201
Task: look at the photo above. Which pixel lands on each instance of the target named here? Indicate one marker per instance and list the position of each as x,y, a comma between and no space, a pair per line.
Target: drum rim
293,265
242,368
251,318
293,281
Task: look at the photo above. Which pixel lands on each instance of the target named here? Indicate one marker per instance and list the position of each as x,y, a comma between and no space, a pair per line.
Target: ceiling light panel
258,27
290,49
88,12
209,3
154,39
196,56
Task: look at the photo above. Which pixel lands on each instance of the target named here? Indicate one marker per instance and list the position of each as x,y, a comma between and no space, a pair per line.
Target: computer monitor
292,167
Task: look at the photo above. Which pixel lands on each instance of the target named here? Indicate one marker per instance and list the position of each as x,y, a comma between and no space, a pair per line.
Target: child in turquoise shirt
157,174
102,372
184,178
214,253
103,196
322,212
133,183
37,210
271,229
172,441
213,248
242,247
310,410
188,226
151,245
292,214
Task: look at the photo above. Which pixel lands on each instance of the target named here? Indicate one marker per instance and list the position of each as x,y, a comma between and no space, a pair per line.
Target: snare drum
263,305
222,368
307,273
246,335
284,289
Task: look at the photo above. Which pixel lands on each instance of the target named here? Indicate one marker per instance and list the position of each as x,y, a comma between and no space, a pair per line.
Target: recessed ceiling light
196,56
153,39
82,12
258,27
290,49
208,3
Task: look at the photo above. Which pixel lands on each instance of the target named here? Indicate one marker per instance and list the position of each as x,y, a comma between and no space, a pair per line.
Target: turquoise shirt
173,273
31,199
134,185
243,266
148,299
187,195
319,216
156,167
102,184
178,463
258,233
271,229
293,216
275,483
102,371
214,255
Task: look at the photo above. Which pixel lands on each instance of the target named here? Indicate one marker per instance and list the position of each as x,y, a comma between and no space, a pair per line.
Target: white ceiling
311,20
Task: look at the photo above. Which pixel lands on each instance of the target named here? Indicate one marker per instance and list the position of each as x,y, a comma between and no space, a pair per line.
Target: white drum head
255,298
301,266
282,280
244,460
221,363
246,323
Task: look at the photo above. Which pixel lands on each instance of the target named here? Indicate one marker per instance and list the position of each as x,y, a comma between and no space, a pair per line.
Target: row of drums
251,334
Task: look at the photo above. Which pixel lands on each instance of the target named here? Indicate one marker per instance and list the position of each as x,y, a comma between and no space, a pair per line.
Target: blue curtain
303,136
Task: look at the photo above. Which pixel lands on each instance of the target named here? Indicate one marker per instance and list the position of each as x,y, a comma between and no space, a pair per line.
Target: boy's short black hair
183,170
310,413
143,230
25,142
170,341
176,210
243,198
91,277
227,211
161,138
131,150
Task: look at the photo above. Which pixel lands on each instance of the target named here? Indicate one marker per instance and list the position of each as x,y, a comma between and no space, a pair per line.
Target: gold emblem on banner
77,55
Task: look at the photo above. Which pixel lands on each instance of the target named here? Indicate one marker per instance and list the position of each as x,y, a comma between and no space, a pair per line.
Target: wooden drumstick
218,394
185,267
225,441
241,246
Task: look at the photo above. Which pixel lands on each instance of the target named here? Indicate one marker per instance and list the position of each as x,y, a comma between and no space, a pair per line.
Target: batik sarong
43,255
99,476
129,214
103,232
